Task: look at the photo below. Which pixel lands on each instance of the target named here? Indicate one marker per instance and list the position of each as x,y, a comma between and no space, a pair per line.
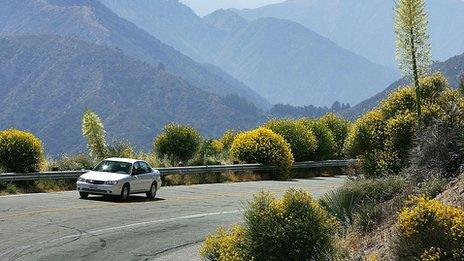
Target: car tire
152,193
83,195
124,192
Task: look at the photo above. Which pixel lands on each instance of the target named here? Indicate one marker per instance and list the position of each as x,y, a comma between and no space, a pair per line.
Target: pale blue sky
204,7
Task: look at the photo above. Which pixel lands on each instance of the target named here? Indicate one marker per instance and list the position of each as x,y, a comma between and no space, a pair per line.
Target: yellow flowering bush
429,230
326,147
403,99
339,128
262,146
302,140
226,245
20,151
293,227
382,138
227,139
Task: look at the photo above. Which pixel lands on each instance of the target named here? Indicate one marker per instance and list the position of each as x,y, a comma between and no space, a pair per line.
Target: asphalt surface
60,226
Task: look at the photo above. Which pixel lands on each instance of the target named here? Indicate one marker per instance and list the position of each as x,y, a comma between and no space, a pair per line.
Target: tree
412,42
177,143
94,131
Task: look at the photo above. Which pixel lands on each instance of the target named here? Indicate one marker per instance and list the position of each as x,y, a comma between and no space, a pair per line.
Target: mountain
172,23
226,21
281,60
452,68
366,27
47,81
91,21
288,63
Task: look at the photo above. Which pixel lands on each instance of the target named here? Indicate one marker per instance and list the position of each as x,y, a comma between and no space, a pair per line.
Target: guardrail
55,175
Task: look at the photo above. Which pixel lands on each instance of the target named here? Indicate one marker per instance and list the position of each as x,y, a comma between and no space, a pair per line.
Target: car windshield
114,167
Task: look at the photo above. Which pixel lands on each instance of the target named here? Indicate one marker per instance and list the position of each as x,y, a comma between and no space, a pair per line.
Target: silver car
120,177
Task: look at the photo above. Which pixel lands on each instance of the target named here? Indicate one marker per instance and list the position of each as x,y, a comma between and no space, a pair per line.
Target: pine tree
94,131
412,42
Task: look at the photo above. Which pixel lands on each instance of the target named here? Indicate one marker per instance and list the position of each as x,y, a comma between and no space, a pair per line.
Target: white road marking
111,229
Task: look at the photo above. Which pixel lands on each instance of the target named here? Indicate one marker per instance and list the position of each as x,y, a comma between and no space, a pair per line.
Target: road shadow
129,200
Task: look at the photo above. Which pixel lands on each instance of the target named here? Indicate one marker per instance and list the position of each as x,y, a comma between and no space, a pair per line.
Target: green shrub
325,149
342,204
432,186
437,150
345,202
368,141
339,128
120,149
94,131
208,153
367,216
400,129
8,188
20,151
294,227
262,146
73,162
379,190
177,143
428,228
302,140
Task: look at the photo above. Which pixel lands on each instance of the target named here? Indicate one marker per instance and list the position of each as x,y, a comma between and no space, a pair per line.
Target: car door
136,180
147,177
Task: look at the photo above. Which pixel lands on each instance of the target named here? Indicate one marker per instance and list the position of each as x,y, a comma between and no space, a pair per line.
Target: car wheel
124,192
84,195
152,193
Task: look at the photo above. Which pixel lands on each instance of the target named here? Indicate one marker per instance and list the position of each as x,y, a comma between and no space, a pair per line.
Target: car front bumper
102,189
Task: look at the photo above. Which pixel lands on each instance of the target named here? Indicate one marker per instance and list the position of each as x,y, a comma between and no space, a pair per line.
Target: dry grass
208,178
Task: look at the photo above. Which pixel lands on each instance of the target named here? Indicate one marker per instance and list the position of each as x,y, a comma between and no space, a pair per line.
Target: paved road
59,226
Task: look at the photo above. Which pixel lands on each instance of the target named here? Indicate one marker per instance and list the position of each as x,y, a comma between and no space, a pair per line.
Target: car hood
103,176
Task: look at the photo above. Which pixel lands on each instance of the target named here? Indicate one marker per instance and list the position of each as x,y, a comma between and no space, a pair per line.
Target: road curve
59,226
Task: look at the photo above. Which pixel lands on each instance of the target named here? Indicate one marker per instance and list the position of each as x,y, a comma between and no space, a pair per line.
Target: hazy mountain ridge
89,20
302,70
289,63
47,82
366,27
452,68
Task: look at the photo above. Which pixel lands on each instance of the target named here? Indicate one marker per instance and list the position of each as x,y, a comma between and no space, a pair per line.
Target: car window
113,167
137,169
146,167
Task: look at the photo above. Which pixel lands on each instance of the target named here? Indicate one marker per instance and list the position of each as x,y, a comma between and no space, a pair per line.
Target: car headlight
111,182
81,179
